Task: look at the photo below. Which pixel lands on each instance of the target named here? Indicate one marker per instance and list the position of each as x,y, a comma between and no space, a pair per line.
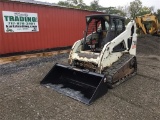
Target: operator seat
110,36
101,38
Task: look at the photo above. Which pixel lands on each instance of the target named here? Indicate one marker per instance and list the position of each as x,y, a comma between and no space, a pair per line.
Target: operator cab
100,30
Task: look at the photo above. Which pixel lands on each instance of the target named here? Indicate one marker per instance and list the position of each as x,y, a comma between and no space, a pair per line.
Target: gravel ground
22,97
148,45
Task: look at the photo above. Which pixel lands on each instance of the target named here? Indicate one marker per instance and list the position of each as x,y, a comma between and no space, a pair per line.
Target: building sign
20,21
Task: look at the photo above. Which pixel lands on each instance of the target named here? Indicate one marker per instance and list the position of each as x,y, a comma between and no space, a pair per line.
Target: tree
122,11
135,8
114,10
158,11
77,3
80,4
158,15
64,3
111,10
152,9
144,10
73,4
94,5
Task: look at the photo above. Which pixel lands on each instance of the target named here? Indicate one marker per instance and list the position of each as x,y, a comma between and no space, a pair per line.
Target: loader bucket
78,84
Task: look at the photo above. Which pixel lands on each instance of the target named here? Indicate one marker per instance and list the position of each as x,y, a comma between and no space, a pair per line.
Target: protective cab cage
101,29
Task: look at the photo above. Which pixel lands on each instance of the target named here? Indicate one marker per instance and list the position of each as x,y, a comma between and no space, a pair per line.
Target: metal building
56,26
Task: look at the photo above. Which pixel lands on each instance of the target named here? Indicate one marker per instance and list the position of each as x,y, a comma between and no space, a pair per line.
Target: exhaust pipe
78,84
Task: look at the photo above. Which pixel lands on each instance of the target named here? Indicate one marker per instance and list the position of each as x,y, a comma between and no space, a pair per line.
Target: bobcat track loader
103,59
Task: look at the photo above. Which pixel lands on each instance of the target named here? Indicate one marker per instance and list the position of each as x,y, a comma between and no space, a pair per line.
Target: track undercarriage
121,70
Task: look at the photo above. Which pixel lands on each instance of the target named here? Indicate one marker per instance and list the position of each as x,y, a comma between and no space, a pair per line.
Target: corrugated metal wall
58,27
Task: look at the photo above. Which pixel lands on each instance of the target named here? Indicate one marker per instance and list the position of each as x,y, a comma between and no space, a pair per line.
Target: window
119,25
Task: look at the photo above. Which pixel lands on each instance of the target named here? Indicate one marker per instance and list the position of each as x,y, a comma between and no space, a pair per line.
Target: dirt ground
22,97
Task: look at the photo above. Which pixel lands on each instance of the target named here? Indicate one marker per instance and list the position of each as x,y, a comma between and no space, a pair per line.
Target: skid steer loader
103,59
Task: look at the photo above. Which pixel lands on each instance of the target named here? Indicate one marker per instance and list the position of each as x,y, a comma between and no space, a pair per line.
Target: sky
115,3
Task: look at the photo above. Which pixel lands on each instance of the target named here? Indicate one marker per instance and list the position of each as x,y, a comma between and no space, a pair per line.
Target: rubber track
111,71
